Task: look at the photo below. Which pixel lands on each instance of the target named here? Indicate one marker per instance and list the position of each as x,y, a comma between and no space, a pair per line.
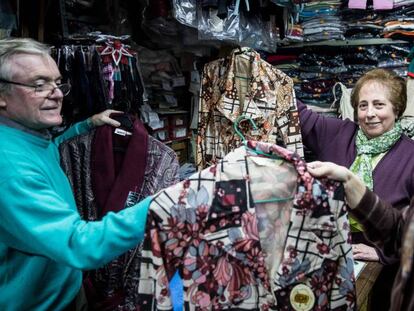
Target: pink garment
357,4
383,4
108,75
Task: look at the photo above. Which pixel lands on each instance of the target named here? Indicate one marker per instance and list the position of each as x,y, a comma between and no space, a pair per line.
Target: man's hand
364,252
103,118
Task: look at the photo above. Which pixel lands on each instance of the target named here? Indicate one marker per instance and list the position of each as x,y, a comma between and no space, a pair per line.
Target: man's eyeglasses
43,90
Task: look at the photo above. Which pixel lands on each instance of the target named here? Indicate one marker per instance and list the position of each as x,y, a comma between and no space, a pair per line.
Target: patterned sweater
113,286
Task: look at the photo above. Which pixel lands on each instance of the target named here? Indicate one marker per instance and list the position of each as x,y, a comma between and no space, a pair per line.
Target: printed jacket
245,85
250,233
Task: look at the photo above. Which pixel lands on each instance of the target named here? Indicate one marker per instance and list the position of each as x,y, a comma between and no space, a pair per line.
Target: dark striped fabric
113,287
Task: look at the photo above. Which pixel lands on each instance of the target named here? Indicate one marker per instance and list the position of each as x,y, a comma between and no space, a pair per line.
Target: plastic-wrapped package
237,27
211,27
257,34
7,19
162,31
185,12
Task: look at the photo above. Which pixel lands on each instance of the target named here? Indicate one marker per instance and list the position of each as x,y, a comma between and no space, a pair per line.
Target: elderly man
44,244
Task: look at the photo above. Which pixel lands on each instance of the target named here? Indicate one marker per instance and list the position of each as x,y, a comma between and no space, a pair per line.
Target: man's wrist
90,123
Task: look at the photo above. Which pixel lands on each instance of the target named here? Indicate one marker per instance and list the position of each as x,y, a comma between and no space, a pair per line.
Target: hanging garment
244,84
89,168
407,120
345,108
409,110
99,81
250,233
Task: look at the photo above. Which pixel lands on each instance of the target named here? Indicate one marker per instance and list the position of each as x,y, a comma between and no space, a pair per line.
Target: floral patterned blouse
250,233
244,84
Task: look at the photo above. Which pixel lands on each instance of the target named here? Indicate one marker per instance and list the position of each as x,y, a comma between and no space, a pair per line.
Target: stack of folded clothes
320,20
316,71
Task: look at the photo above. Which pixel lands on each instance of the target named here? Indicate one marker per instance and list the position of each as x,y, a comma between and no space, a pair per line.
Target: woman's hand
364,252
354,187
103,118
329,170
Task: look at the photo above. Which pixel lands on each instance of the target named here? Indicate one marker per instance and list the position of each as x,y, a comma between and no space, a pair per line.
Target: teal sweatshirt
44,244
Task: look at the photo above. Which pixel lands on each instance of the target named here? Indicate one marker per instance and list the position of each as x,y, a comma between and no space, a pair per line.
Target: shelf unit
351,42
176,140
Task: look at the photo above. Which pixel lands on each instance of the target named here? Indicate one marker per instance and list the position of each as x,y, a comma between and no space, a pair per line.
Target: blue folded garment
176,289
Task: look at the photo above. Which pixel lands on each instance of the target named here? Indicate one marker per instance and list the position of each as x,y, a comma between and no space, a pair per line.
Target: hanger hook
237,129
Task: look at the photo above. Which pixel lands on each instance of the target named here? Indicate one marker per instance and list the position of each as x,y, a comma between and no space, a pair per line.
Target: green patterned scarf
367,149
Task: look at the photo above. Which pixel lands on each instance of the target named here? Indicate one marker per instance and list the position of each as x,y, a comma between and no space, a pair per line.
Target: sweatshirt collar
44,134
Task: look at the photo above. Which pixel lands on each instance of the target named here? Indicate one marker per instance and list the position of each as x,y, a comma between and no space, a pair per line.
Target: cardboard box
181,149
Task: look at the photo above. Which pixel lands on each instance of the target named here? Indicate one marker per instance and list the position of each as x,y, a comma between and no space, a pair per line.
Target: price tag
122,132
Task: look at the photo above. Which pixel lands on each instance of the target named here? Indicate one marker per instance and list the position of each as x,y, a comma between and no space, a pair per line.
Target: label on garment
132,199
302,298
261,161
122,132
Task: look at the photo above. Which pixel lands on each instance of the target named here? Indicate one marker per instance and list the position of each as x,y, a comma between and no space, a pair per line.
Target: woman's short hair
12,46
396,86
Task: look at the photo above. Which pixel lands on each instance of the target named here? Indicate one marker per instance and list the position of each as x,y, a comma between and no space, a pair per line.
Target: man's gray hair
12,46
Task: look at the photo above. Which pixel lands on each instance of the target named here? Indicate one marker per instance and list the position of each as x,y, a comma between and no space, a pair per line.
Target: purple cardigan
333,140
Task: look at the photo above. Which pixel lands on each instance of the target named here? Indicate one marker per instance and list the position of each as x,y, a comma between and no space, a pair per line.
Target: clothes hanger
125,119
127,124
116,49
241,50
243,139
237,129
272,156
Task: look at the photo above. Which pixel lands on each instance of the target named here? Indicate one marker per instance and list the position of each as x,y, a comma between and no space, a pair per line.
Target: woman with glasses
374,147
